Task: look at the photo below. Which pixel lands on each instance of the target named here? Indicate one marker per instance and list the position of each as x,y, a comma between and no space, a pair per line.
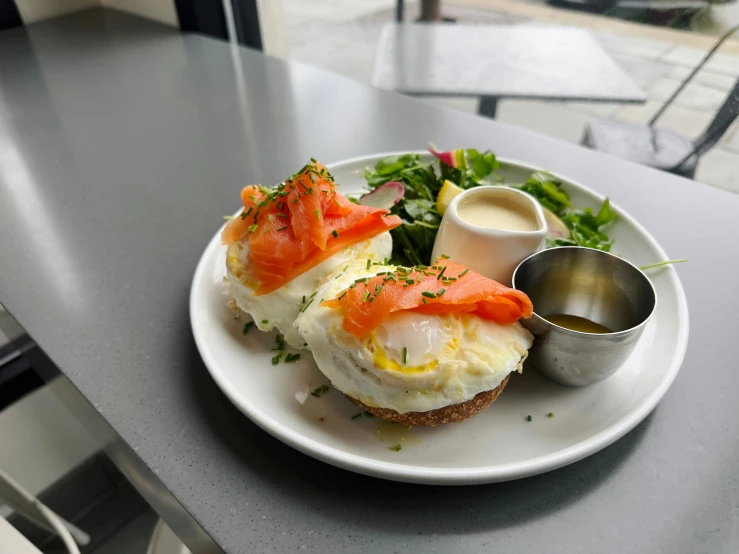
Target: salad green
414,240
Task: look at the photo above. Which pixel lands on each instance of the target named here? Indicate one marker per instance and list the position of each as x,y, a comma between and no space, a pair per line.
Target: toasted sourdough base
448,414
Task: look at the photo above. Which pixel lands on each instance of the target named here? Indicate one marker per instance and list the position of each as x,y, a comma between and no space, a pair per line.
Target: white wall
159,10
36,10
163,11
272,23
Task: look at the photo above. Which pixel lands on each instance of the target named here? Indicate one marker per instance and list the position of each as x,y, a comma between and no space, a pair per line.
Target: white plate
497,445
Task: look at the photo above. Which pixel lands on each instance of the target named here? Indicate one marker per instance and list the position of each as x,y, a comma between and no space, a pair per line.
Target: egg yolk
383,361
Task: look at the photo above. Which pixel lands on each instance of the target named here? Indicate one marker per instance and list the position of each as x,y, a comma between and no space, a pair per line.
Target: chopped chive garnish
276,359
397,448
360,280
441,273
249,210
463,273
265,322
335,234
550,414
366,296
313,160
405,354
284,216
378,288
345,268
252,227
428,294
528,418
440,292
292,358
367,414
248,325
355,416
319,391
295,201
282,228
279,343
308,304
371,298
424,300
310,190
388,278
318,214
369,263
353,285
444,256
410,281
342,295
303,299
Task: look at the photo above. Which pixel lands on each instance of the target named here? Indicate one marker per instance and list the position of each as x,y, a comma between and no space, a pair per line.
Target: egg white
278,309
449,358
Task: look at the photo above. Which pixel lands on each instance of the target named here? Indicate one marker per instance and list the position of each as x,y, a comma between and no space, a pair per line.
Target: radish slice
556,228
385,196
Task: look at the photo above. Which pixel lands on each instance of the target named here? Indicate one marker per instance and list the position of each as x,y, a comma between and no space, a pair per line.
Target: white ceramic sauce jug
492,252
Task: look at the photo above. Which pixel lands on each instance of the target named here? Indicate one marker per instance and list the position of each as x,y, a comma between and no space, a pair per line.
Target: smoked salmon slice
299,224
443,288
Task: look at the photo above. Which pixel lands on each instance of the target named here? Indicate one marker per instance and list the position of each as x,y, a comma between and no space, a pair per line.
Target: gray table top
515,61
122,143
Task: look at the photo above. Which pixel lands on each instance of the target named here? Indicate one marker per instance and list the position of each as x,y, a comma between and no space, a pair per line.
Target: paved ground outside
342,35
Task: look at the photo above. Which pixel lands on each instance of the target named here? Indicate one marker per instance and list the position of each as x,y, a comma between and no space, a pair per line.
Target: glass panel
594,72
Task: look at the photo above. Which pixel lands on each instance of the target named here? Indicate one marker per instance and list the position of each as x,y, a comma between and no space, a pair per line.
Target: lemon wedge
447,193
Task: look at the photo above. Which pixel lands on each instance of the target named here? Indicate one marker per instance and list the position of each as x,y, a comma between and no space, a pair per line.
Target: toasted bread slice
449,414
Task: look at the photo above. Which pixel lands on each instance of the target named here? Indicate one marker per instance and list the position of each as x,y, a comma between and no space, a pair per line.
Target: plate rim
458,475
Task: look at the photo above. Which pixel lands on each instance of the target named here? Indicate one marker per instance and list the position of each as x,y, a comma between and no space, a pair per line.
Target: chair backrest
720,124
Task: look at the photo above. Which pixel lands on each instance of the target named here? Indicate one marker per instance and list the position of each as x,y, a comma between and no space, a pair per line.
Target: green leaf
393,164
546,189
481,165
551,189
586,227
605,214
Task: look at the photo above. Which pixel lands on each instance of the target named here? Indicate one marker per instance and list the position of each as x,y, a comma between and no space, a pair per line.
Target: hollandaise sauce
576,323
497,213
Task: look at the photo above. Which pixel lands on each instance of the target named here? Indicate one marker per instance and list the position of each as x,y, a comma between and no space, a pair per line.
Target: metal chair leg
488,106
31,508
